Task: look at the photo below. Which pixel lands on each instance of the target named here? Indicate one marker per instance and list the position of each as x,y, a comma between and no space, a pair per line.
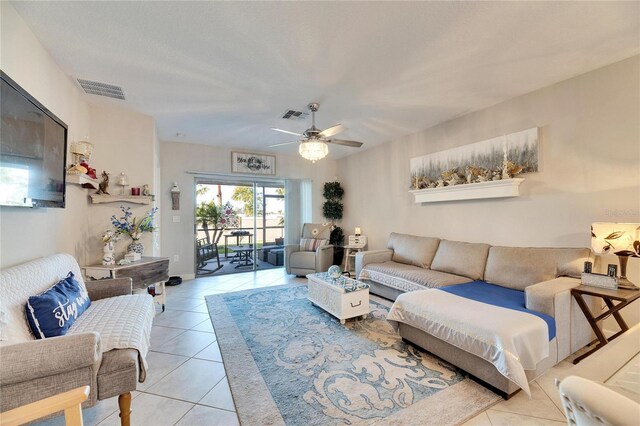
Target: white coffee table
343,298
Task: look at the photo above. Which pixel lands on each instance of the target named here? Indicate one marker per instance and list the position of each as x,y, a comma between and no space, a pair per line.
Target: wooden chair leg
124,402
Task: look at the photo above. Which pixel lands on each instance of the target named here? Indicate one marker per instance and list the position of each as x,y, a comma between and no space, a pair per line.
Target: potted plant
332,209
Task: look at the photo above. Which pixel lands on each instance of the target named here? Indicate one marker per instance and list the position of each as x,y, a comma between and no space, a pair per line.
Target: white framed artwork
256,164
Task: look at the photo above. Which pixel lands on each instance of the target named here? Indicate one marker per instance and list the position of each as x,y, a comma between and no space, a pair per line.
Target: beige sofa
32,369
546,275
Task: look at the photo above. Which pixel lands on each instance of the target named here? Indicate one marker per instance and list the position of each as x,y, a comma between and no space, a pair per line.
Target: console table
143,273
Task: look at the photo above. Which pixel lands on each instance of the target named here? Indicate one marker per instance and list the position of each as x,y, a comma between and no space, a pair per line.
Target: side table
623,297
143,273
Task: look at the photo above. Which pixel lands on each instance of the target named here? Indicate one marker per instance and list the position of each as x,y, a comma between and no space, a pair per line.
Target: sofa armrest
324,258
541,297
103,289
588,402
31,360
363,258
553,298
288,250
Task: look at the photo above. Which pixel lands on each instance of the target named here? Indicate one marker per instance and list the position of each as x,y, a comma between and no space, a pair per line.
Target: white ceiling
223,72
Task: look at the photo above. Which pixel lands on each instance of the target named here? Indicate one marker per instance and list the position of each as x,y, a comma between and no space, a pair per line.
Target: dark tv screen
33,150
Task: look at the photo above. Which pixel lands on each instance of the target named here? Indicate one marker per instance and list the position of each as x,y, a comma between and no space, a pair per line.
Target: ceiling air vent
101,89
292,114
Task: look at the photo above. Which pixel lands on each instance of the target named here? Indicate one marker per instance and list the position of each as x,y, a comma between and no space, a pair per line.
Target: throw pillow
312,244
53,312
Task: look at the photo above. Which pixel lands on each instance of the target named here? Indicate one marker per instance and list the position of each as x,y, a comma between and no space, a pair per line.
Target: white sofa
545,275
35,369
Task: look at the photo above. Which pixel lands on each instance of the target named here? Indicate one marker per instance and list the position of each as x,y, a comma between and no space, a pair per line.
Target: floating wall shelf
472,191
135,199
83,180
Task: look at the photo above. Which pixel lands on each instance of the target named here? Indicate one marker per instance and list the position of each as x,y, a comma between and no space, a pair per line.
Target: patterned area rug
289,362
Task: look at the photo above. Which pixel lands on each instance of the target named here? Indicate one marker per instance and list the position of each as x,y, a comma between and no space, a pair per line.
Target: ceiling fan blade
353,144
286,131
282,144
327,133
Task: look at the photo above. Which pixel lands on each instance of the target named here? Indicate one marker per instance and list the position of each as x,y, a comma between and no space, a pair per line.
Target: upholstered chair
588,403
312,254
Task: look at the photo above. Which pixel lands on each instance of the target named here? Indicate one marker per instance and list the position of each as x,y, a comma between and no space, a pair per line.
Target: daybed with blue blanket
503,314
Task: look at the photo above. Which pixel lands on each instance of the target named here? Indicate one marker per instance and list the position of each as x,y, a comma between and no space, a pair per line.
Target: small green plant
332,210
333,191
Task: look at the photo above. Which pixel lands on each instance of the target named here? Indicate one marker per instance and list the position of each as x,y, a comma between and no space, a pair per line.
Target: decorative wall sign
258,164
502,157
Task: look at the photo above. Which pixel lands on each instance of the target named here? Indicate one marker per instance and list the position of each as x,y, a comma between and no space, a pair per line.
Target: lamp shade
82,148
622,239
313,150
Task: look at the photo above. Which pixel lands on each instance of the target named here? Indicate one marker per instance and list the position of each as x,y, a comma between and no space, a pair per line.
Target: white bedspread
123,322
510,340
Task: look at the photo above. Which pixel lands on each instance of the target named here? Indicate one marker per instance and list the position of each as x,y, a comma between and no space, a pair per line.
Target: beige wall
178,158
123,141
29,233
589,170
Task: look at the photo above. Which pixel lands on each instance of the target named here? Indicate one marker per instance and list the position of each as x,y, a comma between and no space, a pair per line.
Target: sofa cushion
519,267
19,282
413,250
316,230
408,277
54,311
460,258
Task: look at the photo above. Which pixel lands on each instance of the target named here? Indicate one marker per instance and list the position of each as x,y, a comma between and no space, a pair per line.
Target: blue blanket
495,295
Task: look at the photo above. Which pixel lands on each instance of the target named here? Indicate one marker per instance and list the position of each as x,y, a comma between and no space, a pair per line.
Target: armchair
32,370
302,262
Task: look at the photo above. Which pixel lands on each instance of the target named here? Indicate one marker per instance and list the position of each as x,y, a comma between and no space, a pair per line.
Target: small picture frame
588,267
612,270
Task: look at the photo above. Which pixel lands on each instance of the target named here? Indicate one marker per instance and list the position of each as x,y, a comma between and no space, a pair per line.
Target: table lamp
621,239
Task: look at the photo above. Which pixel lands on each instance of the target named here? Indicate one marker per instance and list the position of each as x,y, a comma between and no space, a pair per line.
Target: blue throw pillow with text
53,312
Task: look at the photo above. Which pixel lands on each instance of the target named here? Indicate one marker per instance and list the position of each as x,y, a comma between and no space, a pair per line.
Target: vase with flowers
134,227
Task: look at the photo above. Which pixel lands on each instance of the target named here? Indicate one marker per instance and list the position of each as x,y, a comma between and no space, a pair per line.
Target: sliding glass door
239,226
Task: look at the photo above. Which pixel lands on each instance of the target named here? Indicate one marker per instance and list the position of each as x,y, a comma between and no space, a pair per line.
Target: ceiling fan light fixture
313,150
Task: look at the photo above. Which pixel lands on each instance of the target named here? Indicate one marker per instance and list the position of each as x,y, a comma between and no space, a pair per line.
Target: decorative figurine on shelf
147,192
91,172
103,186
109,238
123,181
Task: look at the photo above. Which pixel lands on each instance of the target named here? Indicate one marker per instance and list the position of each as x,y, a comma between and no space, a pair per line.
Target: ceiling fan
313,142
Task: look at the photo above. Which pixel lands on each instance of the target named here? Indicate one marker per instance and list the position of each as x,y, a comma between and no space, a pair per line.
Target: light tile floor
186,383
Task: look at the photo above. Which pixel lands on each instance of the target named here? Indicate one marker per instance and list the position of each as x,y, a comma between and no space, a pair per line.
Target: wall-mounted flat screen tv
33,150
